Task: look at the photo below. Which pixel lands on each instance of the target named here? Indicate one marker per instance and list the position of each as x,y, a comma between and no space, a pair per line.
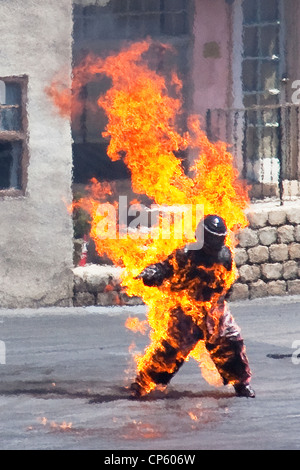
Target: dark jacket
194,270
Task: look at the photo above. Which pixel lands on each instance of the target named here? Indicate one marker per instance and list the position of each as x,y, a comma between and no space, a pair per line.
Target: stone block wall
268,253
100,285
267,256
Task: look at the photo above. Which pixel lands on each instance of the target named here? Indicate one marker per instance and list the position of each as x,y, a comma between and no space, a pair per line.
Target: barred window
13,132
261,75
128,19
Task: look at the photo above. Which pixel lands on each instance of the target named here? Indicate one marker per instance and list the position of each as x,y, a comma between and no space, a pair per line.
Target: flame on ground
64,426
136,325
142,130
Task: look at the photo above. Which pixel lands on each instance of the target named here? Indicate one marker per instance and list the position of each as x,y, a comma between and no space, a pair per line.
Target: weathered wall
36,230
211,56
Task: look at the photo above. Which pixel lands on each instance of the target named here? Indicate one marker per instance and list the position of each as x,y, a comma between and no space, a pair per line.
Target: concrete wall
36,230
212,55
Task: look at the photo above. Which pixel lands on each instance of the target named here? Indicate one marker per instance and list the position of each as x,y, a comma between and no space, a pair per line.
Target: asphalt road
64,374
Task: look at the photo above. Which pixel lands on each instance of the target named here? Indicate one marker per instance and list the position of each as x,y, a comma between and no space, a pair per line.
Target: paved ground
63,385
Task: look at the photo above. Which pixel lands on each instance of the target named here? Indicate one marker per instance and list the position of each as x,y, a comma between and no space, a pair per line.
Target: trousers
222,339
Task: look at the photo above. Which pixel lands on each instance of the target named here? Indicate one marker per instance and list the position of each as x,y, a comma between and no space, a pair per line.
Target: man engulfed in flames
202,274
184,285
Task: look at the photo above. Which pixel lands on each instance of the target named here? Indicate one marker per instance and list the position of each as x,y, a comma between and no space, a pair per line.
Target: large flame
142,130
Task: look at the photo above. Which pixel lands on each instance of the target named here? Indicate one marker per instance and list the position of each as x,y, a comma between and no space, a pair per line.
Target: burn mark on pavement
281,356
48,391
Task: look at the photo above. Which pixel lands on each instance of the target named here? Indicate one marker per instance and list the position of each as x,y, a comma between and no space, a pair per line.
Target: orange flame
136,325
142,130
64,426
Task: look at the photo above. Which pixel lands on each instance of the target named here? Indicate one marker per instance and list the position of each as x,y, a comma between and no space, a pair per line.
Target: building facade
239,62
246,74
240,65
35,156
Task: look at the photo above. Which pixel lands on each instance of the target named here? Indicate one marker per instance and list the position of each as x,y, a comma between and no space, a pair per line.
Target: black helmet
213,229
215,225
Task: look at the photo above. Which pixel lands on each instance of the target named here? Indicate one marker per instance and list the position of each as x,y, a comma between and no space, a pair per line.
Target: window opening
13,127
261,67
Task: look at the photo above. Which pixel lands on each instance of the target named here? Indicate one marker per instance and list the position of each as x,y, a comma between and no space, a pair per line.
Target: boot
244,390
136,390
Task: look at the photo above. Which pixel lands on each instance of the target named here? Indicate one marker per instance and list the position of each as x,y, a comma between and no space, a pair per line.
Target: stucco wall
36,230
212,55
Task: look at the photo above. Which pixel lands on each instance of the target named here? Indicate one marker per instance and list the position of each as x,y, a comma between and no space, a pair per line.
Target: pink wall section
212,55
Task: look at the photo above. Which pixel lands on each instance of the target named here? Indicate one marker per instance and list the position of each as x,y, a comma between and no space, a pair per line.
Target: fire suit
199,271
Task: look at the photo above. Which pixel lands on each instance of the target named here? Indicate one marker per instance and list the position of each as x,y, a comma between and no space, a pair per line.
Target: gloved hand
151,276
